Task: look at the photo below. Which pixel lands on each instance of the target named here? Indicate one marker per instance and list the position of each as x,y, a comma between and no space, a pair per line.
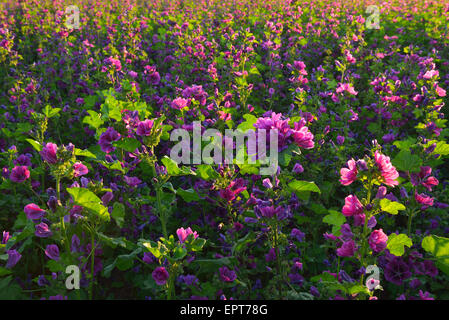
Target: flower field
111,110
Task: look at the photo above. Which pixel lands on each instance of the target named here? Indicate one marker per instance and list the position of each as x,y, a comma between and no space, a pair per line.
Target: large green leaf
87,199
302,186
391,207
405,161
396,243
439,248
118,213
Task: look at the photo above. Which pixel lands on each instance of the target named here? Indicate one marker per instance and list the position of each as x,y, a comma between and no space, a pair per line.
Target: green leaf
206,172
405,144
50,112
55,266
392,207
248,124
124,261
405,161
93,119
171,166
36,145
197,244
188,195
179,253
301,186
127,144
87,199
334,218
4,271
84,153
118,213
396,243
439,248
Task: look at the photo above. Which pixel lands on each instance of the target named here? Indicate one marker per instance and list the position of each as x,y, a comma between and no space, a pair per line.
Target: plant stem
92,261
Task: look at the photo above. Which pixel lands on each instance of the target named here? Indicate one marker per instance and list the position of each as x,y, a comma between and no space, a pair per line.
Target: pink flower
302,136
19,174
179,103
48,153
378,240
346,87
387,170
183,234
430,182
352,206
80,169
424,199
347,249
348,176
144,127
33,211
440,91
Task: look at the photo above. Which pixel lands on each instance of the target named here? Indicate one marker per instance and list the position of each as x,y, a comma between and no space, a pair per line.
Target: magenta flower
144,127
80,169
352,206
275,121
227,275
342,87
302,136
387,170
33,211
48,153
348,176
19,174
424,199
347,249
184,233
52,251
43,231
160,275
106,139
179,103
378,240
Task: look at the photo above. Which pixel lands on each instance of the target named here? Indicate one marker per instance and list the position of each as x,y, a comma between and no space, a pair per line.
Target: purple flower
346,233
52,251
106,139
19,174
297,234
271,255
340,140
23,160
33,211
298,168
347,249
227,275
148,257
48,153
132,181
76,244
80,169
160,275
144,127
107,197
381,192
13,258
397,271
43,231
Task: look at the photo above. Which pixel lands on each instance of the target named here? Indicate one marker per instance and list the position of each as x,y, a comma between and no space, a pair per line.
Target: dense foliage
87,180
